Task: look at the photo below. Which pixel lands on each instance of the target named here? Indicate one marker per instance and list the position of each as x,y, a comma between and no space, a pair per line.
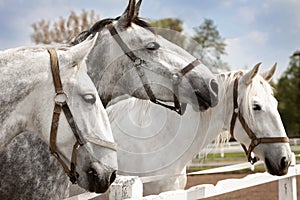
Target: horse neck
105,68
217,119
227,80
210,123
18,80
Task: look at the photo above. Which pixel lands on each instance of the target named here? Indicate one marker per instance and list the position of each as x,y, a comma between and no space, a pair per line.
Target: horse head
256,122
80,133
130,58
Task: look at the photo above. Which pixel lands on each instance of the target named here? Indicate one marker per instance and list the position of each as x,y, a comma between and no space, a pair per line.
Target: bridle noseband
254,140
62,105
138,64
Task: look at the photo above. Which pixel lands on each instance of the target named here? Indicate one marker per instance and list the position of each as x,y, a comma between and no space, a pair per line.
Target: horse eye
152,46
256,107
89,98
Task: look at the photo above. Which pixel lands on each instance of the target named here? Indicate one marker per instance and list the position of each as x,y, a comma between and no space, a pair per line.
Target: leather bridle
62,105
254,140
139,66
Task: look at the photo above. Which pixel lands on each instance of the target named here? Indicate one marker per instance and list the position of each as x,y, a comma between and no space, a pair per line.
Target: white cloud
257,37
248,14
244,51
253,39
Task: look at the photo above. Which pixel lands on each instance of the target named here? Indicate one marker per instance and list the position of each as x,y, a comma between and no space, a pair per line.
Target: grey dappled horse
38,85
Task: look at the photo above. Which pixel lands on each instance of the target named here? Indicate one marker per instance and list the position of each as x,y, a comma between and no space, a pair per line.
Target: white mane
226,79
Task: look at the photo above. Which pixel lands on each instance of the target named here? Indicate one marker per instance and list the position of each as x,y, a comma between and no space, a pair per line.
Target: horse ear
129,14
247,78
267,75
81,50
137,8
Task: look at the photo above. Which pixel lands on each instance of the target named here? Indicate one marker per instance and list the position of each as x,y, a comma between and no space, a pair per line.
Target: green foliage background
288,96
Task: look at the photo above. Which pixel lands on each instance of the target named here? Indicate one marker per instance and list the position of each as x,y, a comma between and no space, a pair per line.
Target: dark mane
144,24
98,26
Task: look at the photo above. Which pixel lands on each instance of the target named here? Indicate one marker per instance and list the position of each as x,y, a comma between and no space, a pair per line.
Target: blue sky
255,31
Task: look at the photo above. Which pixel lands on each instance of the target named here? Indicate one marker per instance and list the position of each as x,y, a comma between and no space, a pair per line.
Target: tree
211,45
206,43
168,23
288,95
171,29
63,30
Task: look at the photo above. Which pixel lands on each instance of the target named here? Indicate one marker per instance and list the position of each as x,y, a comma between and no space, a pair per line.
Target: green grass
228,155
228,158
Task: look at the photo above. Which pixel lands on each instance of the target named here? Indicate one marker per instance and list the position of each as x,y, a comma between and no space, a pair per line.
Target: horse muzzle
280,168
206,94
100,177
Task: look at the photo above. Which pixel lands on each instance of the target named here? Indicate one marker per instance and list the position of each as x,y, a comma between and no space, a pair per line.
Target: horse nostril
214,86
284,163
113,177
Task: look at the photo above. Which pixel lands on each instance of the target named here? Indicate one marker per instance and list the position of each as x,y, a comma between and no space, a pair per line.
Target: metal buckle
176,78
255,142
137,62
61,98
236,110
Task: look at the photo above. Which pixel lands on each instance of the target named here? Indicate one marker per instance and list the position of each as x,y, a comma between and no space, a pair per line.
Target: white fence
132,188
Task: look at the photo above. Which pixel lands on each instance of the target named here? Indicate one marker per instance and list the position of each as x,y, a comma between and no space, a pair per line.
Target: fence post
222,151
287,188
126,187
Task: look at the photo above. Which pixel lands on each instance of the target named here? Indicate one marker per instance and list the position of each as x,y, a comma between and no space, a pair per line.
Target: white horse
153,141
32,88
166,69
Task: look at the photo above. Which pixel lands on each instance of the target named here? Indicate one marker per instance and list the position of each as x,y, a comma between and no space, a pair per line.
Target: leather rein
254,140
62,105
139,65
